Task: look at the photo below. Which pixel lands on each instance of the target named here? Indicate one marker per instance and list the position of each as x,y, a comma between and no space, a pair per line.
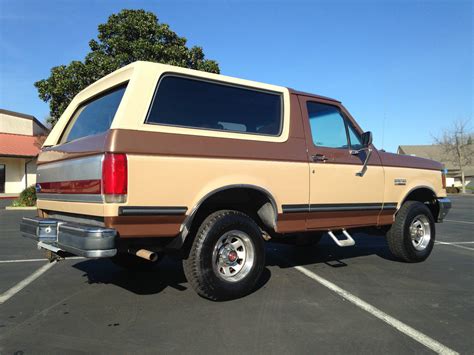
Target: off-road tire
134,263
198,266
398,236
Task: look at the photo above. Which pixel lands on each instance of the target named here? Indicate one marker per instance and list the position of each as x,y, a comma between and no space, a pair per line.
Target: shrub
27,198
452,190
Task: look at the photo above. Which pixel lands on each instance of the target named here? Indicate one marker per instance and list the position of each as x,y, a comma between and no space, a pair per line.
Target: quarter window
95,116
327,125
186,102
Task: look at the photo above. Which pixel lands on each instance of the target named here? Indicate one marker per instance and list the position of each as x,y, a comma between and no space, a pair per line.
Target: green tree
127,36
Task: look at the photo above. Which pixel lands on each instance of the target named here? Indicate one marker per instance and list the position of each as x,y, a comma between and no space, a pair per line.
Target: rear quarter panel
184,181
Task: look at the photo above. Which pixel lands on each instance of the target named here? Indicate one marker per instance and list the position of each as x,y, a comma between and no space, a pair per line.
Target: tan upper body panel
178,166
184,181
142,78
415,178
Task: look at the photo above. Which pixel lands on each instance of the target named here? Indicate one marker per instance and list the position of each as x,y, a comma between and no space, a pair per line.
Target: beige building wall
15,179
17,125
37,129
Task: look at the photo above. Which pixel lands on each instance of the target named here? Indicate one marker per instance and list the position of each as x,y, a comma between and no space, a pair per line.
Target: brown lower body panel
140,226
318,221
145,226
386,217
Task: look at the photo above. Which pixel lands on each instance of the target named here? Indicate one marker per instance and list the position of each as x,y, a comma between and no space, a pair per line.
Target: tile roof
18,145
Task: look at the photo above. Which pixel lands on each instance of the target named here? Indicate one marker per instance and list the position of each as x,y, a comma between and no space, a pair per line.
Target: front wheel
227,256
411,237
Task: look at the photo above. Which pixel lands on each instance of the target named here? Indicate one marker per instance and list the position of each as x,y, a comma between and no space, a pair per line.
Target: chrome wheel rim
420,232
233,256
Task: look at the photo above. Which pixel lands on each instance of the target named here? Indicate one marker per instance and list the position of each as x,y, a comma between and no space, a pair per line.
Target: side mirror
366,142
366,139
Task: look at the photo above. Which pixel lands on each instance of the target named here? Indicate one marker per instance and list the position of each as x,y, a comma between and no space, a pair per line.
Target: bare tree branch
458,146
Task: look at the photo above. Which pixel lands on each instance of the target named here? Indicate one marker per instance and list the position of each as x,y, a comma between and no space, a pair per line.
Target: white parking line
442,241
455,245
452,220
33,260
400,326
20,261
22,284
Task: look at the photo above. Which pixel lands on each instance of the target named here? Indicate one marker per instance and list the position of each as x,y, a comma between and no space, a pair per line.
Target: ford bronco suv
155,159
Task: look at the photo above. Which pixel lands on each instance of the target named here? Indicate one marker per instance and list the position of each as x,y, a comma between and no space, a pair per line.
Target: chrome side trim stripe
94,198
87,168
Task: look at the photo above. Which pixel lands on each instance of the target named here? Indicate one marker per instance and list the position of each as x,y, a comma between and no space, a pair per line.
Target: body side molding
151,211
337,207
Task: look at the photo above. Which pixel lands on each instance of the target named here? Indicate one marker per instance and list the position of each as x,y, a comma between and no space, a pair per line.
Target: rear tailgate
72,180
69,173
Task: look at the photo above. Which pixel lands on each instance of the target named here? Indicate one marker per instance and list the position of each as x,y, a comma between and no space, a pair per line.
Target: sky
403,68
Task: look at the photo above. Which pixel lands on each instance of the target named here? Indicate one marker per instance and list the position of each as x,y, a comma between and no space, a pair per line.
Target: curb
11,208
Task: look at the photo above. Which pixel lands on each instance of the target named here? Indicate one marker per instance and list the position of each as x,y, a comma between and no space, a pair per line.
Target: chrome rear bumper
74,238
444,207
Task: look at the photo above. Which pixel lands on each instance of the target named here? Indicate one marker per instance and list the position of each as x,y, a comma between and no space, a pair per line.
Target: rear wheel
227,256
411,237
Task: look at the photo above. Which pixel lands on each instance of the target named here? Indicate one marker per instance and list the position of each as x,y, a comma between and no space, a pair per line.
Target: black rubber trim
295,208
335,207
390,206
151,211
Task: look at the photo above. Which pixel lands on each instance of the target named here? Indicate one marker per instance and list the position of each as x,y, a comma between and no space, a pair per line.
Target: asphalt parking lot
79,305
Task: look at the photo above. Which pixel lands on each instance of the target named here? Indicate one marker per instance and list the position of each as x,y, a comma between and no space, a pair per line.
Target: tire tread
192,265
396,235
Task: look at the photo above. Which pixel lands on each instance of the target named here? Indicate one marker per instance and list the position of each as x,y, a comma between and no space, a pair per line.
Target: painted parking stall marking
34,260
395,323
22,284
456,244
451,220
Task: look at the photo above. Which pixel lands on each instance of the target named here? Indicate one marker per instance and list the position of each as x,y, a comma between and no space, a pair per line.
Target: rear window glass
95,116
206,105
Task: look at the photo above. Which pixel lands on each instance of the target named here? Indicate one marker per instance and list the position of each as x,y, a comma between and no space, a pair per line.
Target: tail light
443,178
114,178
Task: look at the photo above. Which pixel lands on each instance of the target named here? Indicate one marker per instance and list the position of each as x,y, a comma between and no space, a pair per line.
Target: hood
408,161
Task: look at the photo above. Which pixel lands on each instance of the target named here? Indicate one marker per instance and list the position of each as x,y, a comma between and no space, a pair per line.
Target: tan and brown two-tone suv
156,159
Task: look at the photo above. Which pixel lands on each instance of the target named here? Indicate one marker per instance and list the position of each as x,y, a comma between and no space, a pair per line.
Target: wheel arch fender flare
269,210
422,189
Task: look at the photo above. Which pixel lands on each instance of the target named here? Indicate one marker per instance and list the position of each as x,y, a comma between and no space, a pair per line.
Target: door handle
319,157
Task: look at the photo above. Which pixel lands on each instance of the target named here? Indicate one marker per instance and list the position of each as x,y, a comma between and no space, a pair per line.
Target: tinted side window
95,116
356,140
200,104
327,125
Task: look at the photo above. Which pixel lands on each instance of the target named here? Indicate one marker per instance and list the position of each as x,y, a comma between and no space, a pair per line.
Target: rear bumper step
79,239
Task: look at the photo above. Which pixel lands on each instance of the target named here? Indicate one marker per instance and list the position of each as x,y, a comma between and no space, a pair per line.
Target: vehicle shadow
327,252
169,272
